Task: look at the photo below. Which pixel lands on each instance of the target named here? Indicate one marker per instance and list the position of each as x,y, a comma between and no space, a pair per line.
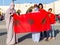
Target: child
52,21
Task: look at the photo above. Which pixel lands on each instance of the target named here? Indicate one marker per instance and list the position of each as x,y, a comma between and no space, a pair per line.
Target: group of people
47,35
11,35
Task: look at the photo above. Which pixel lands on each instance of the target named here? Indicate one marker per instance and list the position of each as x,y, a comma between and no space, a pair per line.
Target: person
59,18
11,36
52,21
29,9
35,35
40,7
0,15
18,11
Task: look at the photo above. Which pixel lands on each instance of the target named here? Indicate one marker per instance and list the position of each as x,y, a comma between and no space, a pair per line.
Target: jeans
45,34
51,32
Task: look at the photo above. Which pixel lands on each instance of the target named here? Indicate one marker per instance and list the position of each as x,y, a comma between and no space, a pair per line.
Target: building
23,7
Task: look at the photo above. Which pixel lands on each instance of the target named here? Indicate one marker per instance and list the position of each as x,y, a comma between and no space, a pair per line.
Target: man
11,36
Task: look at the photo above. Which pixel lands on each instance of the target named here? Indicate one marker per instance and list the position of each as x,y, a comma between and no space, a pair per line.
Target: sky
7,2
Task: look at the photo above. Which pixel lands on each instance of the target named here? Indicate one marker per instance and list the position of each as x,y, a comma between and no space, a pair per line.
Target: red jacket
52,18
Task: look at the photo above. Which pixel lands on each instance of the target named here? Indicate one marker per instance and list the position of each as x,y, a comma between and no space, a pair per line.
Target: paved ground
25,39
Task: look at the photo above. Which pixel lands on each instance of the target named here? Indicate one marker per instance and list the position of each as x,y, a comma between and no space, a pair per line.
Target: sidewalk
25,39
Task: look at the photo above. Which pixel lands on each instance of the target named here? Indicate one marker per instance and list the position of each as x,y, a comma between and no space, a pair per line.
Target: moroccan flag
31,22
45,18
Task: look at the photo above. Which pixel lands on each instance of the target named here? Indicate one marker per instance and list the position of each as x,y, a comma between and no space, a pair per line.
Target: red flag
46,25
20,24
31,22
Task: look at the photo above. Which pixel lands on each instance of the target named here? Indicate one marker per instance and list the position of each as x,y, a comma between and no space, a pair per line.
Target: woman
11,36
43,33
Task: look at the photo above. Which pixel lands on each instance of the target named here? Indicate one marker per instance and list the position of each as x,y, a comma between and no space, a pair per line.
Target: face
49,10
40,6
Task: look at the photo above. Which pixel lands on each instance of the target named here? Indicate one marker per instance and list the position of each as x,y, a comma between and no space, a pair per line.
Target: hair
40,4
35,5
50,9
19,11
29,9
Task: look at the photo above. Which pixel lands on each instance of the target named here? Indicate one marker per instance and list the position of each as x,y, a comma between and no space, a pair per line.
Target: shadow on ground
24,37
57,32
30,36
3,33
